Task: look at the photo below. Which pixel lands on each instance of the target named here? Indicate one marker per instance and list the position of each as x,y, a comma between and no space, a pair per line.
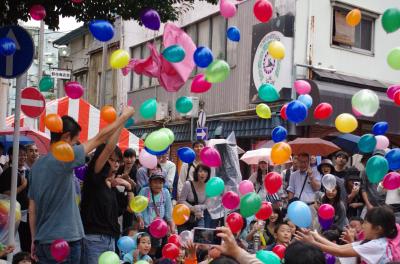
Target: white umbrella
253,157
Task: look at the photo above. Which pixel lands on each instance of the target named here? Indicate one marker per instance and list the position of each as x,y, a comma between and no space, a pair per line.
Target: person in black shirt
341,159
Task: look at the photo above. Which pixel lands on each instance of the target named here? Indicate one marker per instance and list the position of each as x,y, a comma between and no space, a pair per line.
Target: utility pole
40,50
103,88
3,102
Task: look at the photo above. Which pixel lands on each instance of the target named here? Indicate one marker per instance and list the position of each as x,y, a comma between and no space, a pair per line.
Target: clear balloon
267,257
263,111
380,128
180,214
306,99
184,104
126,244
392,90
279,134
7,46
203,57
170,251
109,257
147,160
186,154
377,167
185,236
366,102
230,200
390,20
326,211
73,90
108,114
273,182
393,58
227,8
37,12
139,203
367,143
276,49
148,109
265,211
101,30
158,228
54,123
391,181
235,222
210,157
119,59
353,18
263,10
174,53
217,72
323,111
245,187
329,182
393,158
46,84
62,151
302,87
199,84
59,250
151,19
346,123
267,92
296,111
280,153
214,187
250,204
233,34
299,213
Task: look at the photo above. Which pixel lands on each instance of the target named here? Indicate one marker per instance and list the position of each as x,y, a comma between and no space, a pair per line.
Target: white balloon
185,236
382,142
329,182
147,160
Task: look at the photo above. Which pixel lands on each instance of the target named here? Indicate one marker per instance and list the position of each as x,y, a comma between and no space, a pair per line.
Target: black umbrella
347,142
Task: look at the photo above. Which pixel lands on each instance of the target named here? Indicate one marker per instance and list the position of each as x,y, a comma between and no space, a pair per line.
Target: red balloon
396,97
326,211
265,211
279,250
283,112
170,251
323,111
263,10
273,182
59,249
235,222
175,239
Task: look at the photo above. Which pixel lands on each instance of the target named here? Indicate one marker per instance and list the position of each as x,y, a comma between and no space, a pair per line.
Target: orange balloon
180,214
108,114
280,153
353,18
62,151
54,123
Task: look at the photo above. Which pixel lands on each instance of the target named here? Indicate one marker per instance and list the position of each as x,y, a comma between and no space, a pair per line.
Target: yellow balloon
119,59
139,203
280,153
263,111
180,214
276,50
62,151
346,123
353,18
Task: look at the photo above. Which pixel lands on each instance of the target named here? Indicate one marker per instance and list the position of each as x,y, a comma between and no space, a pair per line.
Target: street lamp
49,61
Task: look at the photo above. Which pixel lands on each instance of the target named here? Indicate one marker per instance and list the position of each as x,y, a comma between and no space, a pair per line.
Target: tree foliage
14,10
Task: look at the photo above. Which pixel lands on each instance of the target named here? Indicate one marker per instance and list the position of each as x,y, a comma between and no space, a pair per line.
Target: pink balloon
73,90
199,84
230,200
392,90
77,1
59,249
37,12
147,160
158,228
326,211
246,186
355,112
391,181
227,8
382,142
210,157
302,87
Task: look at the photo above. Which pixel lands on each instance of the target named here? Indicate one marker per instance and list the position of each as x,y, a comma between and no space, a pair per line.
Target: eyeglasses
114,160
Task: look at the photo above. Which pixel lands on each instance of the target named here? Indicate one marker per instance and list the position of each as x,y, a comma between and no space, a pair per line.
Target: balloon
62,151
230,200
185,236
130,122
148,109
139,203
199,84
186,154
380,128
175,239
306,99
169,133
233,34
184,104
296,111
267,257
283,112
382,142
367,143
299,213
329,182
227,8
46,84
119,59
366,102
217,72
326,211
147,160
214,187
265,211
263,111
329,259
250,204
302,87
353,18
109,257
158,228
203,57
280,153
392,90
126,244
108,114
279,250
73,90
393,58
396,97
157,141
355,112
391,181
276,49
7,46
101,30
170,251
325,223
263,10
390,20
77,1
54,123
59,250
141,262
174,53
267,92
210,157
234,222
323,111
80,172
346,123
37,12
273,182
157,153
245,187
180,214
128,257
393,158
279,134
376,169
151,19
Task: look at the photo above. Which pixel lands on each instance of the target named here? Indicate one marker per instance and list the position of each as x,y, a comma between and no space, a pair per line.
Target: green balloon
141,262
109,257
170,134
214,187
157,141
365,102
367,143
393,58
377,167
217,72
46,84
268,257
174,53
184,104
267,92
391,20
148,109
250,204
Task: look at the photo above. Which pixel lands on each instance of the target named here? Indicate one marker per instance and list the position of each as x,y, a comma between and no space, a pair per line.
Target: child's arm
168,210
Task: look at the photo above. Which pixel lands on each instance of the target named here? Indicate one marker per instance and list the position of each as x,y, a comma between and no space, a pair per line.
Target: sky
66,24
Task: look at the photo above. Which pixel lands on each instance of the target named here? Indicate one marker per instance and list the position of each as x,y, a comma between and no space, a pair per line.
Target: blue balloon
296,111
299,213
393,158
128,258
174,53
233,34
130,122
380,128
367,143
101,29
126,244
306,99
186,154
7,46
157,153
279,134
203,57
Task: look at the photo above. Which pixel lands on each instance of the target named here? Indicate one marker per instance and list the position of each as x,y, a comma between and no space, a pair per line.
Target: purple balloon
392,90
330,259
151,19
80,172
325,224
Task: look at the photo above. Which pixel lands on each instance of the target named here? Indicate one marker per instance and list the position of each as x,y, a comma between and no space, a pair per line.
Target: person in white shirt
32,153
169,168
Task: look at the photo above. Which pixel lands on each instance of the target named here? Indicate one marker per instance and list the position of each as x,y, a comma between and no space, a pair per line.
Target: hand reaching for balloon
128,111
192,249
229,246
304,235
121,182
348,235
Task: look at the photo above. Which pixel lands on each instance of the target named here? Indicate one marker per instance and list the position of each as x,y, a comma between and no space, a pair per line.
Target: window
109,92
135,78
144,80
218,43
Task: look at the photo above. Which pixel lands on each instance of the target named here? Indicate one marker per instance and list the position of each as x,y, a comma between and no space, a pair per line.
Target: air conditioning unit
195,110
162,110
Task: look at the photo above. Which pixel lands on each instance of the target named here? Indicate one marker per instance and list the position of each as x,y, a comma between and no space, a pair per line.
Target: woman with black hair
332,197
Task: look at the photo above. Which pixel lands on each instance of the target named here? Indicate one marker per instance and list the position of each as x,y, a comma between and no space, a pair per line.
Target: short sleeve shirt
296,182
372,252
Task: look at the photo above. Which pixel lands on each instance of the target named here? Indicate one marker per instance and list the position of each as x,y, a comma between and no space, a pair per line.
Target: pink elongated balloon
210,157
245,187
302,87
37,12
147,160
73,90
199,84
355,112
391,181
227,8
158,228
230,200
382,142
392,90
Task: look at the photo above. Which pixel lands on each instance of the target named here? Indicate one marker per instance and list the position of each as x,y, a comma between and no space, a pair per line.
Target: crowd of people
363,230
